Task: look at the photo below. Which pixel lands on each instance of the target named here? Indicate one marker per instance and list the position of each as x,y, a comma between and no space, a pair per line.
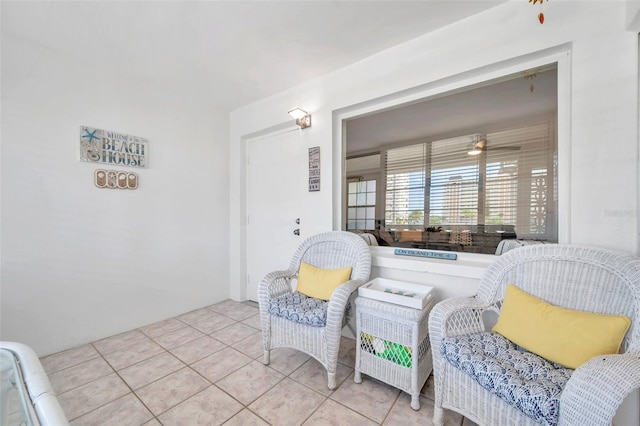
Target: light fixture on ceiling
303,118
530,75
478,145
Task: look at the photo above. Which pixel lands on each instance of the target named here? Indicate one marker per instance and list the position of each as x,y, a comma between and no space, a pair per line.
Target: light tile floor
204,368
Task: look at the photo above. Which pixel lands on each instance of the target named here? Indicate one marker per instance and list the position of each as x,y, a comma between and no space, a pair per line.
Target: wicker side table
392,345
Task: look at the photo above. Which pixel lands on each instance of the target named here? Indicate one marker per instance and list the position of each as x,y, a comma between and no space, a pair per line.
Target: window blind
509,187
520,177
453,196
405,180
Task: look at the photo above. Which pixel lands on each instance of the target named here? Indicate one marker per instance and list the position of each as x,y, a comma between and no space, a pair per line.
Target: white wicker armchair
581,278
331,250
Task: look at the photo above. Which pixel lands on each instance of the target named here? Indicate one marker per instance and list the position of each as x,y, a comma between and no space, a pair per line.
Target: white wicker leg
357,377
438,416
332,380
415,402
267,356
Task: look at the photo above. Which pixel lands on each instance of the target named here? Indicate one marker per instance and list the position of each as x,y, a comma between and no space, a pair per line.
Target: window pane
361,203
370,212
454,182
405,182
506,191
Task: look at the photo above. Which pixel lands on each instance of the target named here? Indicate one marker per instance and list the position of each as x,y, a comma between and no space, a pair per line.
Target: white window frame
560,55
367,177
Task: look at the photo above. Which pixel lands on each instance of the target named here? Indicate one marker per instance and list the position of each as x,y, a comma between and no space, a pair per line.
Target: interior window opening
483,182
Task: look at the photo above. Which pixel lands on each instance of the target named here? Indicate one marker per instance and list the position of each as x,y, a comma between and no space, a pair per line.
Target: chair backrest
333,250
575,277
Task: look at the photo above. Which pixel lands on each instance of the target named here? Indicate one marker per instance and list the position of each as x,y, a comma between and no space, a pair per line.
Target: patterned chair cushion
520,378
300,308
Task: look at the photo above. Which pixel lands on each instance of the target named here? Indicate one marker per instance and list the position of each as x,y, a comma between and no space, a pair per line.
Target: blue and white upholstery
492,382
520,378
300,308
313,326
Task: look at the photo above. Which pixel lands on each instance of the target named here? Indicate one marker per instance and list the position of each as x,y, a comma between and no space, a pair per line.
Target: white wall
80,263
600,168
599,164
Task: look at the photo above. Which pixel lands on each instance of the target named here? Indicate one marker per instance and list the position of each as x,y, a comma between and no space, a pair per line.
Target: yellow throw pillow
564,336
320,283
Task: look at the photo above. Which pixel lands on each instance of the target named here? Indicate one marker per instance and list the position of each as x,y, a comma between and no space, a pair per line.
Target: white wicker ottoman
392,345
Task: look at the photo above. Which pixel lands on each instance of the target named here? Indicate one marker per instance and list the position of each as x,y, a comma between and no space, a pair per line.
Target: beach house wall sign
113,148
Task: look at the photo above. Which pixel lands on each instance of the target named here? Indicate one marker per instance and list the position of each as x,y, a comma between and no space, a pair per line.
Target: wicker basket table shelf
392,345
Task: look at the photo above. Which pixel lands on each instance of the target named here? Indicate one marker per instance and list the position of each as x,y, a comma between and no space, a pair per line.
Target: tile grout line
243,406
153,416
113,371
132,391
205,378
165,350
156,416
116,372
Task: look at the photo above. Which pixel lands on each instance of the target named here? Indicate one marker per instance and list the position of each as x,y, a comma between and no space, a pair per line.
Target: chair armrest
597,388
452,317
338,303
275,284
457,316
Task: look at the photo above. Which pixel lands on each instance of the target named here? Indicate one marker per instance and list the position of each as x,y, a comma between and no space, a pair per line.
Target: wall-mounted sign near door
115,180
113,148
314,169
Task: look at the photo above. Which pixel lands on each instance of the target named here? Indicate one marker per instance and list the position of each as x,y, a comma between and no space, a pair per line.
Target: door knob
296,232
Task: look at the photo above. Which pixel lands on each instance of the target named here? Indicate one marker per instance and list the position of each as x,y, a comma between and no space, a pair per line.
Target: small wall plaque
426,253
115,180
314,169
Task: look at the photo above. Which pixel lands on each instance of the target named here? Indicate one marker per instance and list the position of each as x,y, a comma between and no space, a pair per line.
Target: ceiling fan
480,145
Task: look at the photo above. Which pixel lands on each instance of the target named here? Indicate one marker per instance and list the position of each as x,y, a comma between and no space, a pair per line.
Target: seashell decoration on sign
114,179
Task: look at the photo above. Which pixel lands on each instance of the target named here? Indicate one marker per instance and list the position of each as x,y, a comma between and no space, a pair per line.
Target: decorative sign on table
108,147
425,253
115,180
314,169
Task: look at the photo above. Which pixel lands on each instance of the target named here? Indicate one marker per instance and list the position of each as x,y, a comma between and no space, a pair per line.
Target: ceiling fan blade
503,148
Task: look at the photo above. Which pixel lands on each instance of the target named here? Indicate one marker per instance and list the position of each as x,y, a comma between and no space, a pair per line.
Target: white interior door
274,183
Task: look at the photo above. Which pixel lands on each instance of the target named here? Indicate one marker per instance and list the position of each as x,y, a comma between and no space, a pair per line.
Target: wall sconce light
303,118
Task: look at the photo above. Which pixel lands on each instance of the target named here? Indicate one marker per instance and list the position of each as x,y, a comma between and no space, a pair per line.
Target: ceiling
229,53
513,99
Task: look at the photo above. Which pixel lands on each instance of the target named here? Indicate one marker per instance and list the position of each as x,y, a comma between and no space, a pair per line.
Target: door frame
285,141
238,266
